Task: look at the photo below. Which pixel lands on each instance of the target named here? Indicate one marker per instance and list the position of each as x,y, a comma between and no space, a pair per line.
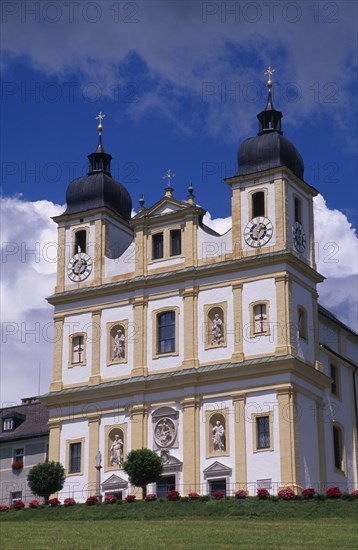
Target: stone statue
218,436
118,346
116,451
216,330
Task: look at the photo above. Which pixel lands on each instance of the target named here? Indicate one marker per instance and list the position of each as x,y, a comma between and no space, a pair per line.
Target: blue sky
180,84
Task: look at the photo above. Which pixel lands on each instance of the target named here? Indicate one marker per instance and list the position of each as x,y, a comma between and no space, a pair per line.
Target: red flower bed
3,508
286,494
240,494
262,494
173,495
308,493
354,493
193,496
218,495
333,492
91,501
17,465
110,499
151,497
69,501
17,505
34,504
130,498
53,502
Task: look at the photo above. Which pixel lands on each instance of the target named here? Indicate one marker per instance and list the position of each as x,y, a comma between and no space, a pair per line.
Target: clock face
299,237
258,232
79,267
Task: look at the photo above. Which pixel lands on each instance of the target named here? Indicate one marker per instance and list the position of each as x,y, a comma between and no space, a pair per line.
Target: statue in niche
116,451
164,432
118,345
218,436
217,330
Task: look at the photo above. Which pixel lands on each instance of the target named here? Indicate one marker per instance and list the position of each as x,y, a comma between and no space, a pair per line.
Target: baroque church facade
209,349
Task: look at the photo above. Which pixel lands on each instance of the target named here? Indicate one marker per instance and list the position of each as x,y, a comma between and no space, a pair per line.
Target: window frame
154,236
302,335
252,307
254,420
71,362
251,205
73,239
177,231
19,456
69,443
155,314
167,244
297,209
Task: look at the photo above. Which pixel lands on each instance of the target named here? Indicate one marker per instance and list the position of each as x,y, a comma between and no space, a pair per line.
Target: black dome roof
269,150
95,191
98,189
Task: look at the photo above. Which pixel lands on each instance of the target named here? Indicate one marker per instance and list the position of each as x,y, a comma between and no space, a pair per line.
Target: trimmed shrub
4,508
218,495
130,498
34,504
193,496
354,494
54,502
17,505
204,498
110,499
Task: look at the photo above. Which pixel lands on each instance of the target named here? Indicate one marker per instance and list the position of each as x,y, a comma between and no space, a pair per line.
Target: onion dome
269,149
98,189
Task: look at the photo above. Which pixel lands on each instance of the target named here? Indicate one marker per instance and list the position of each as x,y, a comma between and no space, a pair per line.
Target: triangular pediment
167,206
216,469
114,482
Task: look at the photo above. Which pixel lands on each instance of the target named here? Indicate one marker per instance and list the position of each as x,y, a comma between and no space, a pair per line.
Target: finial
100,117
141,202
269,72
168,176
191,195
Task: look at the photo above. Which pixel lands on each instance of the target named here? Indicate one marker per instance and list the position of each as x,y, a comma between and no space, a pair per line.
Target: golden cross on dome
100,117
269,72
168,176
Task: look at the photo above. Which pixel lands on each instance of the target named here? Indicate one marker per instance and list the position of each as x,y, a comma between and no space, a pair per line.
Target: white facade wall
76,486
302,297
308,442
112,315
213,246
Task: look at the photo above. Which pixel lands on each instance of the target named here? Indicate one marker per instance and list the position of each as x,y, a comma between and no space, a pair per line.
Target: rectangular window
78,349
16,495
157,246
19,455
175,242
337,444
334,385
80,242
166,332
75,458
298,216
302,324
263,432
258,204
260,319
8,424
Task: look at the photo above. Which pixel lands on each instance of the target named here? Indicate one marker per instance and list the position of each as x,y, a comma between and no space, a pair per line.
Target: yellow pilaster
190,242
57,356
283,315
140,308
190,296
321,445
96,349
98,252
311,235
191,444
140,251
61,259
289,444
238,354
54,439
240,440
236,221
139,424
93,448
317,363
280,213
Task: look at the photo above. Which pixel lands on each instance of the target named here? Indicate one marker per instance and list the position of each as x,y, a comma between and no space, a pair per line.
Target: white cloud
28,278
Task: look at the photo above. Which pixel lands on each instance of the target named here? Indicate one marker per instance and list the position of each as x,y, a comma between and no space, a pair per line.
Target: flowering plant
130,498
193,496
34,504
308,493
262,494
241,494
286,494
333,492
3,508
69,501
110,499
54,502
150,497
17,465
218,495
173,495
91,501
354,493
17,505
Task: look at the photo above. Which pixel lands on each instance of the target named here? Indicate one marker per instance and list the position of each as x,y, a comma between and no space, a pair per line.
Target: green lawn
248,524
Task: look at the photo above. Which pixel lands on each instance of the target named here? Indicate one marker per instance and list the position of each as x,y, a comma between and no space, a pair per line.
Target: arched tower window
80,244
258,204
298,210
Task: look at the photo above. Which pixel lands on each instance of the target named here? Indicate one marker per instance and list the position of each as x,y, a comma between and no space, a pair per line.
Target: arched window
215,326
338,447
80,244
258,204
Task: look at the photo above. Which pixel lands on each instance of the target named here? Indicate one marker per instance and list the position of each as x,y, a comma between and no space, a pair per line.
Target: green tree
143,466
45,479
